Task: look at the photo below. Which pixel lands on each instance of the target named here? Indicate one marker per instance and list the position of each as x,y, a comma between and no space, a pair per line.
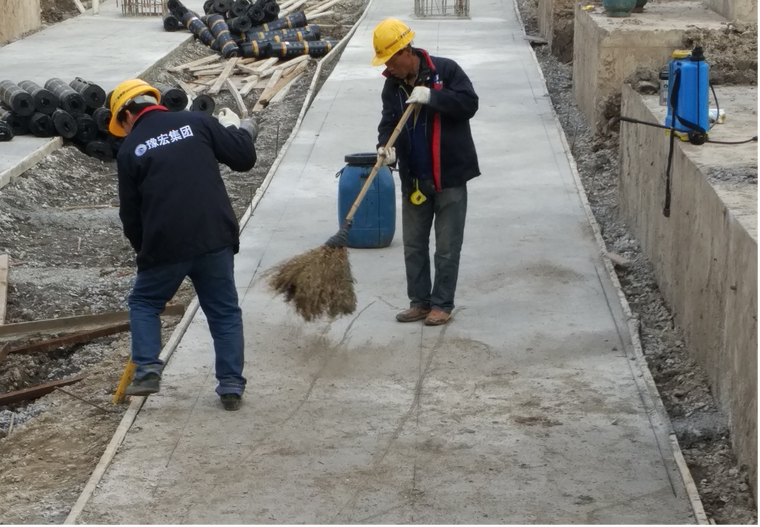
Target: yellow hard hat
390,37
122,95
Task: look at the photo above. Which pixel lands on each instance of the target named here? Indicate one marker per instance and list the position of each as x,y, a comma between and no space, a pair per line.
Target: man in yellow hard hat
436,157
178,217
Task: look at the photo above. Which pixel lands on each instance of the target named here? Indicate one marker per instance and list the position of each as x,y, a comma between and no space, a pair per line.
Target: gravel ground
701,428
59,224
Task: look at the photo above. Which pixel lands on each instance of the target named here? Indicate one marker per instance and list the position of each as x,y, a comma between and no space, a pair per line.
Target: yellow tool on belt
417,197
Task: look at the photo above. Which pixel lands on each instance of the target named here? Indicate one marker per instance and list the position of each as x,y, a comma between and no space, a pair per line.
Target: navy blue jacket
172,200
453,102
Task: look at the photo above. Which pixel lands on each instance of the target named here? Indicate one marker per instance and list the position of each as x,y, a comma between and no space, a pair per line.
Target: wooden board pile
239,28
240,76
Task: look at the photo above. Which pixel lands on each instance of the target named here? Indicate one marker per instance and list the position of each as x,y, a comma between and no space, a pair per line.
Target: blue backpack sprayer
688,110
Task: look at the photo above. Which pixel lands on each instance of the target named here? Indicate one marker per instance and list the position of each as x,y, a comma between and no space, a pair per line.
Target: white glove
390,155
227,117
420,94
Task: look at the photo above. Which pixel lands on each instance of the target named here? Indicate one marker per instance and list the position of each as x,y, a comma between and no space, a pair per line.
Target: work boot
231,401
148,385
412,314
437,318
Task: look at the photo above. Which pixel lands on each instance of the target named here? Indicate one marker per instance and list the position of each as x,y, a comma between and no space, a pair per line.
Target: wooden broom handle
379,162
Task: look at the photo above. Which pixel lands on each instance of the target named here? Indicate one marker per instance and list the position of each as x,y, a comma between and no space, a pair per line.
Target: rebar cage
142,7
442,8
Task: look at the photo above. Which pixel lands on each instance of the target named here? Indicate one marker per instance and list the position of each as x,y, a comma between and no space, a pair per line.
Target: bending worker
436,157
178,217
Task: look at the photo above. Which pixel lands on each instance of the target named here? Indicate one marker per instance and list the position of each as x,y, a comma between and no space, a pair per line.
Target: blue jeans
446,210
212,275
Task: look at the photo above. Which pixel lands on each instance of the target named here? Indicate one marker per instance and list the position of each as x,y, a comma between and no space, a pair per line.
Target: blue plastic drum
375,219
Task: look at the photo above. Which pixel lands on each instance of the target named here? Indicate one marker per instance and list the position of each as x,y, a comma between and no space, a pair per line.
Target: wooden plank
79,6
267,93
280,95
4,265
292,8
317,15
36,391
217,86
70,340
238,99
248,88
323,7
266,65
195,63
292,62
248,69
188,89
72,324
95,7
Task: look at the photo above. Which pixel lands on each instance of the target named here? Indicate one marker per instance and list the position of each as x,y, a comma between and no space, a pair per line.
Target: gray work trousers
446,210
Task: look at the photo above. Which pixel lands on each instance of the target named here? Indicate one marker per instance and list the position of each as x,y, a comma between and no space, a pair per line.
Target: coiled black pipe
255,49
221,32
94,96
115,143
288,50
65,124
6,131
199,29
19,124
16,99
172,23
176,8
239,24
174,99
240,8
99,149
310,33
87,130
44,100
271,11
68,99
222,6
289,22
102,117
40,125
203,103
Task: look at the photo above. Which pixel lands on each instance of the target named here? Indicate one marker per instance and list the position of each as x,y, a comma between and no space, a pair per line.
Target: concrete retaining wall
556,25
743,10
18,17
607,50
705,254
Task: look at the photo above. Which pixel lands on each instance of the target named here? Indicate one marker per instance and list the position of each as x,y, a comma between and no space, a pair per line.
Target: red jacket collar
155,107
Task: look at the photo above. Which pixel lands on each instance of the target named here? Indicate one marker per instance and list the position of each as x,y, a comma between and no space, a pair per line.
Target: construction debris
72,324
36,391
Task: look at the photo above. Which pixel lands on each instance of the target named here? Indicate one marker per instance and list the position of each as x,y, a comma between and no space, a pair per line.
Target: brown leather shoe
437,318
413,314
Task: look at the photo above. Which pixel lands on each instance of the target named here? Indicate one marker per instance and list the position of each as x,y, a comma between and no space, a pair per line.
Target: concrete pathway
524,409
105,48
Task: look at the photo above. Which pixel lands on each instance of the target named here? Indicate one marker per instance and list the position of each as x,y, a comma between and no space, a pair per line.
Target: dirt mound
730,51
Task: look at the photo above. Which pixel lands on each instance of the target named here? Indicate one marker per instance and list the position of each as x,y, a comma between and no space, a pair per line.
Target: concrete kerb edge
650,395
137,402
29,161
129,417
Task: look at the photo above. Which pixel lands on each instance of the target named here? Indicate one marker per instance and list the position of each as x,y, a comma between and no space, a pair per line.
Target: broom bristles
317,283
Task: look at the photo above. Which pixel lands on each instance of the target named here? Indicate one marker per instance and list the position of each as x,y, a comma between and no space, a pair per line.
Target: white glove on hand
420,94
227,117
390,155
